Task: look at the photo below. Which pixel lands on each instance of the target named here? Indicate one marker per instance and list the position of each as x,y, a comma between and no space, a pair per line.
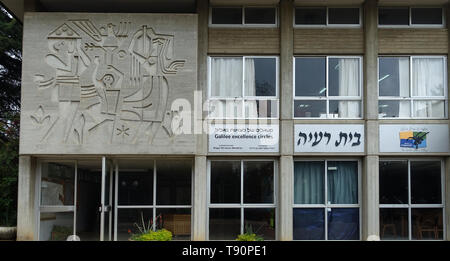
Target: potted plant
249,235
150,231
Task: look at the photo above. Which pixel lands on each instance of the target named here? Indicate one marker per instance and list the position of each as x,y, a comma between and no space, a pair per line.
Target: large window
410,16
243,87
327,87
412,87
241,199
243,16
411,200
326,200
327,16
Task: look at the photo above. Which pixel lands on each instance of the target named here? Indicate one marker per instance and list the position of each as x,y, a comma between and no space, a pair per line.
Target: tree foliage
10,80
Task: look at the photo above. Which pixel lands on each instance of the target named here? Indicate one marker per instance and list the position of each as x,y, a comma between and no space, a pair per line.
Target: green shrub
159,235
249,237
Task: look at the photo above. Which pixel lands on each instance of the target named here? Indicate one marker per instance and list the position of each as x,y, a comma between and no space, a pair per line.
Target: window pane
394,109
224,223
136,188
316,109
343,76
311,16
225,181
226,77
260,221
393,182
309,182
177,221
394,224
226,15
260,77
435,109
258,181
393,76
343,15
342,182
173,184
309,224
260,15
55,226
345,109
225,109
427,223
393,16
343,224
310,77
131,221
261,108
426,15
426,182
428,77
57,184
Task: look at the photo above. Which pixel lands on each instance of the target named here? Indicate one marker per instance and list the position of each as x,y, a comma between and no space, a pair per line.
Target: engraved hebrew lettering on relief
111,81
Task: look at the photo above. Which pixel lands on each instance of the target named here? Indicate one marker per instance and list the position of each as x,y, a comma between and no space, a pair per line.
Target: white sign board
329,138
414,138
243,138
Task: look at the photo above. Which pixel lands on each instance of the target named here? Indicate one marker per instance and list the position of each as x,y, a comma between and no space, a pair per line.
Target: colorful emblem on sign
413,139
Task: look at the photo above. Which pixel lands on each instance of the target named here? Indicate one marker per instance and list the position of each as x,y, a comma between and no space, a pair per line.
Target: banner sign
243,138
414,138
329,138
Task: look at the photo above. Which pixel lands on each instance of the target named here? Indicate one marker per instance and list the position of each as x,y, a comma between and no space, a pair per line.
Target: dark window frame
327,24
243,24
411,24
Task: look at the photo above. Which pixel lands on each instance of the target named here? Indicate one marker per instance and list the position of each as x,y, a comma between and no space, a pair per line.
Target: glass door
106,200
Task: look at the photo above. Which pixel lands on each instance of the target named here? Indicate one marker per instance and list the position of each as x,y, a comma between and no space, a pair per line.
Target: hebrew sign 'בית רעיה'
329,138
103,83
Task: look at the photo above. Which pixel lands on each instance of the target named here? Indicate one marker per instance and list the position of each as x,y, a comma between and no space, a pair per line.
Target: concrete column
26,212
370,180
199,228
285,174
285,198
447,199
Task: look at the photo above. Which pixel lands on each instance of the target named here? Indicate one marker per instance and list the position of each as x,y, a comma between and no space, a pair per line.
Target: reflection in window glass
260,221
258,182
260,15
57,184
429,109
310,76
427,223
224,223
261,108
393,182
393,16
226,15
173,184
311,16
309,182
135,188
342,179
343,224
394,109
343,15
344,109
426,16
343,76
394,224
426,182
177,221
309,224
225,181
393,76
55,226
308,108
260,77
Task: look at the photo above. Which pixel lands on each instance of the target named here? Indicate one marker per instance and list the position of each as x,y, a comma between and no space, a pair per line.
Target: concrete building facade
297,120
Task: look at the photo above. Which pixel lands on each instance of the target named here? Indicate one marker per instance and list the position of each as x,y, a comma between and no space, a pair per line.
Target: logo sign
414,138
243,138
329,138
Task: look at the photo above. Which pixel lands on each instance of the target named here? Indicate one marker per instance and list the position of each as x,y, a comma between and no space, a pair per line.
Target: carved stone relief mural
106,83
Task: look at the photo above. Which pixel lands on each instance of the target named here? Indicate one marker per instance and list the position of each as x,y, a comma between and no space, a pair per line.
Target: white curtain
428,81
349,86
403,76
226,77
251,107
